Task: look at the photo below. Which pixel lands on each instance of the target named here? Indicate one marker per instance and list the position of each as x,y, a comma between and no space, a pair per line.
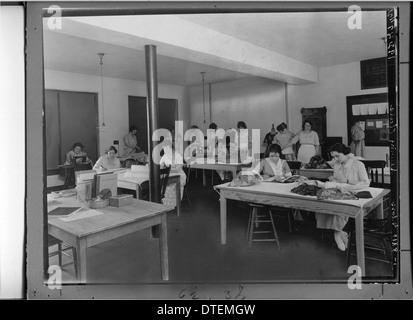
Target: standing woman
309,143
108,161
357,135
349,174
284,139
130,142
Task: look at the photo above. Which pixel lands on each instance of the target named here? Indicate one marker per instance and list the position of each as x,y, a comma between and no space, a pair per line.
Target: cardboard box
121,200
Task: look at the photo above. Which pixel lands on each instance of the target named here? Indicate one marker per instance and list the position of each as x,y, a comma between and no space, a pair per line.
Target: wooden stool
254,225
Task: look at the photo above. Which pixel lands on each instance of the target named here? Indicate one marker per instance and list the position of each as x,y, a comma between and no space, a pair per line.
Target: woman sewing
131,149
77,155
108,161
273,165
349,174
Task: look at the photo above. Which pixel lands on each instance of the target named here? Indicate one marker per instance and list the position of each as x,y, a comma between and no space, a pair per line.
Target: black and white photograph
207,150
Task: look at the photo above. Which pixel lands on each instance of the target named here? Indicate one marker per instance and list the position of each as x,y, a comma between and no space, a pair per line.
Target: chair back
164,176
294,166
373,167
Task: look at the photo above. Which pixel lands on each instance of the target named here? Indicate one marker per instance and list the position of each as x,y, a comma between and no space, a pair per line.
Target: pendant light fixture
203,92
100,54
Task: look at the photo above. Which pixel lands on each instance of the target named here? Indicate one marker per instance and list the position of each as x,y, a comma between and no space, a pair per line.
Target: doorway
138,116
70,117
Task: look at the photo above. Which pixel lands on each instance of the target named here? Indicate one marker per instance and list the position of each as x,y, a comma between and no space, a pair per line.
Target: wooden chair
185,196
377,232
295,166
164,176
377,237
373,167
62,249
255,220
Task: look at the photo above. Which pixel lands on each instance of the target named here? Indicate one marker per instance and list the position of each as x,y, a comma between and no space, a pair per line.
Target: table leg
81,255
139,192
234,173
203,177
163,247
379,210
360,242
223,211
178,197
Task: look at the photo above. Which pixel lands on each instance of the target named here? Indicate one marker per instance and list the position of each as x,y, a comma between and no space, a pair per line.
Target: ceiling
287,47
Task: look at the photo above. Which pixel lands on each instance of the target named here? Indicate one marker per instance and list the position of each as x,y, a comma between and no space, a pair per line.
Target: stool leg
249,225
348,249
251,229
59,248
74,255
275,231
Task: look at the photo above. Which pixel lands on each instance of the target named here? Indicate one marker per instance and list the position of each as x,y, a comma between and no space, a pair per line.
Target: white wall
256,101
12,131
334,85
116,92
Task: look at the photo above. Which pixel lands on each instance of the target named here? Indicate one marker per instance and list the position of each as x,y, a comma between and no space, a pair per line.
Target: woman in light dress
273,165
349,174
108,161
309,143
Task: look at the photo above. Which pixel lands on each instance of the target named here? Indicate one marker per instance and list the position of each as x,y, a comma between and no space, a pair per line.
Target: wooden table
111,224
279,194
233,167
134,182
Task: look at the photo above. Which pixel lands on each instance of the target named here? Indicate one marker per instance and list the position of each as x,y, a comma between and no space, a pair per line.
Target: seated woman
108,161
77,155
168,159
349,174
273,165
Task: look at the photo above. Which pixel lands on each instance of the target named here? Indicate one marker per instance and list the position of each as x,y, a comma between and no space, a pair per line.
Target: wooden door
138,116
70,117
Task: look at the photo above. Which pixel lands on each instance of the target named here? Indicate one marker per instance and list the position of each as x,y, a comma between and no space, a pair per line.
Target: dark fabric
363,194
306,190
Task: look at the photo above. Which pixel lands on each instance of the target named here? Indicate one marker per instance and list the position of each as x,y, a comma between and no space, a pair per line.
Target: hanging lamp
203,92
100,54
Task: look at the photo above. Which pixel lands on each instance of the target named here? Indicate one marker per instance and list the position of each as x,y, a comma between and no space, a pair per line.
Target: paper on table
140,169
82,214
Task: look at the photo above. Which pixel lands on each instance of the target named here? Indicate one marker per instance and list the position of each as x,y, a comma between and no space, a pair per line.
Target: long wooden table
129,180
279,194
111,223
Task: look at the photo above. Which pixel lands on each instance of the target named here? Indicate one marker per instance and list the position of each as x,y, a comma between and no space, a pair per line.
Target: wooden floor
196,254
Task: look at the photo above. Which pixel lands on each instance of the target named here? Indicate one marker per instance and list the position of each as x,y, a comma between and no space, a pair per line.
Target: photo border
36,165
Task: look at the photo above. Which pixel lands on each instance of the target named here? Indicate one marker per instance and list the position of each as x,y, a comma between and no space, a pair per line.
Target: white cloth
305,153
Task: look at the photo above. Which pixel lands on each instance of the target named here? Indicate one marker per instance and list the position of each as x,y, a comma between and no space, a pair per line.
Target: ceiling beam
182,39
